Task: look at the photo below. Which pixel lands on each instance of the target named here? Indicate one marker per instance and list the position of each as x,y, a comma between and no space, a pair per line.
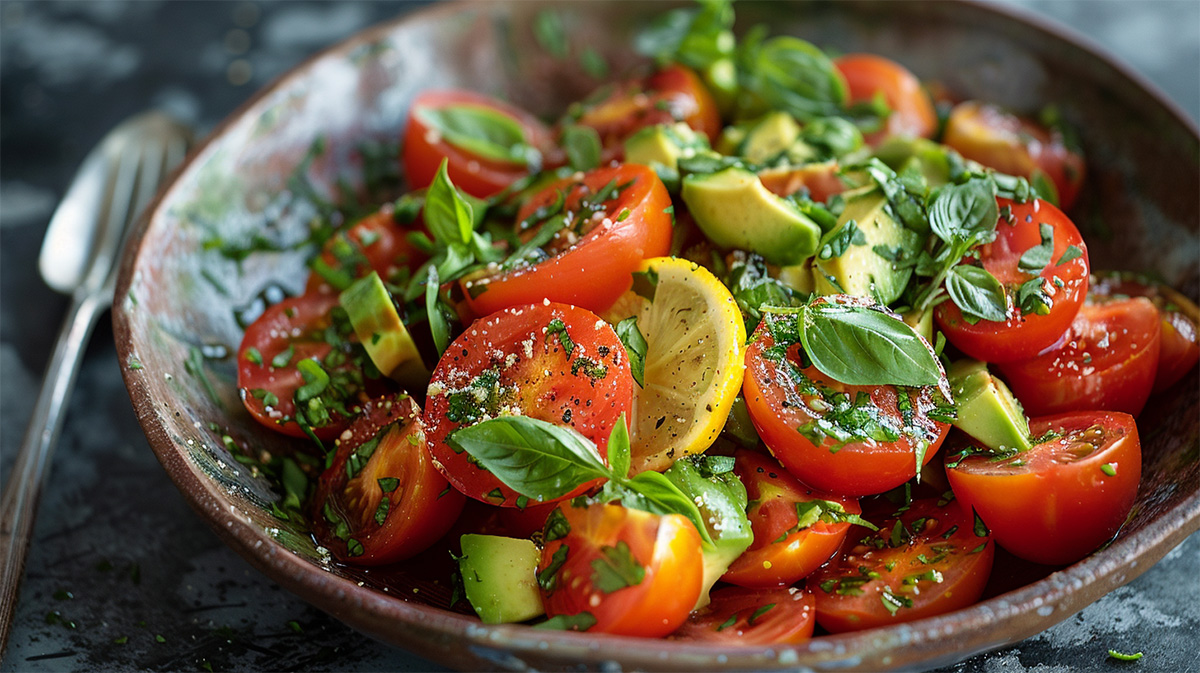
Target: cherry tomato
820,180
738,616
1064,282
670,95
477,175
1180,346
553,362
928,560
375,242
1058,501
1015,146
634,573
271,379
611,219
782,553
814,425
1106,361
382,500
868,75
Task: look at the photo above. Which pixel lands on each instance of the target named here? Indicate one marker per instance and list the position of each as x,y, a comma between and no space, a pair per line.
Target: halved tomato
1058,501
301,370
1038,318
375,242
1105,361
850,440
603,224
739,616
489,144
1180,346
619,570
783,551
868,75
670,95
928,559
381,500
1016,146
552,362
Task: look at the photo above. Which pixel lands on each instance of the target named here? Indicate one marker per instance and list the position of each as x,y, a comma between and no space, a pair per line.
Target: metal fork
79,256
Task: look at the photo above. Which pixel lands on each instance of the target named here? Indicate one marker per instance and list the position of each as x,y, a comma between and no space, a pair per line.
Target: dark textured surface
115,534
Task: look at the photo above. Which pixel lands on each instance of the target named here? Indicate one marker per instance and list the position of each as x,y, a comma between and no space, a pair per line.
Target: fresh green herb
295,626
556,527
284,357
1072,252
1038,257
1032,297
593,63
1109,468
582,145
547,578
759,613
121,640
1124,657
977,293
635,348
838,241
134,364
788,74
727,623
981,529
616,569
388,484
253,356
893,602
577,622
557,327
482,131
158,638
549,32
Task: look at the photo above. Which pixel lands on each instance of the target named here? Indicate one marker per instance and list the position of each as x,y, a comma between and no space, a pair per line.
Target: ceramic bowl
178,299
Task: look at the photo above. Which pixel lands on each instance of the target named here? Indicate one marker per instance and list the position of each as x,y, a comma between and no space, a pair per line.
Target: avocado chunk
709,482
987,409
499,576
920,321
857,256
382,333
933,160
662,146
738,425
735,210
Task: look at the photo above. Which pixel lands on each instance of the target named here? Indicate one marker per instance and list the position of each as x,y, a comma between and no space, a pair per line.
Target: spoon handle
18,508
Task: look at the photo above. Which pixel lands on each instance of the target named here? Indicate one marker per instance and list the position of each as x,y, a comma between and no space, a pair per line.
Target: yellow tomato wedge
695,342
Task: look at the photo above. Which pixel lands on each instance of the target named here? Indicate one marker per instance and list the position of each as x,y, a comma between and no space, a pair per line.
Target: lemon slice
695,342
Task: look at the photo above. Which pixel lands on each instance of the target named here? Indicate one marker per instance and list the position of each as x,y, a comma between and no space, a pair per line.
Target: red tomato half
1015,146
591,259
375,242
634,573
670,95
868,75
1023,336
1058,501
382,500
782,553
424,147
271,382
738,616
1180,346
926,561
796,412
552,362
1107,361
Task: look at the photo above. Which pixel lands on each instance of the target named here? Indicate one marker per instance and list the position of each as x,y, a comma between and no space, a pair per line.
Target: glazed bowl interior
182,296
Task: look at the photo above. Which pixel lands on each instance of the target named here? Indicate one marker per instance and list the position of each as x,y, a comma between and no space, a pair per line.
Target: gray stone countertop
122,574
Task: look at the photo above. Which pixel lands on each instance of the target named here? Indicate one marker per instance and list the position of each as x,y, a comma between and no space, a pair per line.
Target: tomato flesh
1057,502
798,414
591,260
868,75
926,561
781,553
634,573
552,362
1015,146
424,148
739,616
1107,360
1022,336
374,243
1179,346
269,377
382,500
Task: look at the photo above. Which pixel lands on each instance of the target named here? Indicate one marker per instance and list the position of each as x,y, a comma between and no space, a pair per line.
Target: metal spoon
79,256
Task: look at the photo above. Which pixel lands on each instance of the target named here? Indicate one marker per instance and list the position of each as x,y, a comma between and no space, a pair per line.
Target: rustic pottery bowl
177,300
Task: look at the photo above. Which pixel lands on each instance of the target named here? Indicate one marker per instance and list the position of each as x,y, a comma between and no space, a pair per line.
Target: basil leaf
635,348
577,622
652,492
536,459
485,132
439,327
549,32
977,293
1038,257
789,74
722,503
619,449
964,212
857,345
582,145
1072,252
448,215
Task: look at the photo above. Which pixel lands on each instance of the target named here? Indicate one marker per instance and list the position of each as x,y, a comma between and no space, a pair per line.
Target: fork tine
116,213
